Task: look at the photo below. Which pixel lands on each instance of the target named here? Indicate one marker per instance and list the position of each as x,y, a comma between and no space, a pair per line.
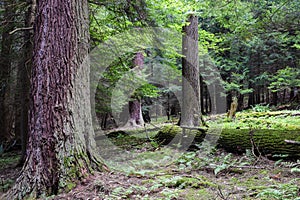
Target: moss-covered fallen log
266,142
175,134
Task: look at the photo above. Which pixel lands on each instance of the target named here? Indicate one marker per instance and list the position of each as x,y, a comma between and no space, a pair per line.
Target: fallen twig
21,29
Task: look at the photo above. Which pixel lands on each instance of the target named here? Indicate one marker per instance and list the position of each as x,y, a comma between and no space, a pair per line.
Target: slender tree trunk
168,107
202,96
257,95
61,146
206,101
229,100
263,93
210,107
6,108
240,102
191,113
292,93
250,97
274,98
283,96
267,96
23,81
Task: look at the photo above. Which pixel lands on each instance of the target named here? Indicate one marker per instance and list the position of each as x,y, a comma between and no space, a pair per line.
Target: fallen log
268,142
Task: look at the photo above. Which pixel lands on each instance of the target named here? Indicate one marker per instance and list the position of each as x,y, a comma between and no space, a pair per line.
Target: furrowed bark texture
135,113
191,114
61,139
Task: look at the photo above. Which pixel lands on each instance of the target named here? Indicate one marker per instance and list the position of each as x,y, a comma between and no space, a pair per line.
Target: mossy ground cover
277,120
8,171
154,171
208,175
192,176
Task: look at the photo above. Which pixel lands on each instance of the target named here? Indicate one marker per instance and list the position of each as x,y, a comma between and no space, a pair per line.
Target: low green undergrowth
280,120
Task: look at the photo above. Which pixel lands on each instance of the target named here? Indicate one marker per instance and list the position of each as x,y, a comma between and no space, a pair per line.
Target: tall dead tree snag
191,113
233,107
61,146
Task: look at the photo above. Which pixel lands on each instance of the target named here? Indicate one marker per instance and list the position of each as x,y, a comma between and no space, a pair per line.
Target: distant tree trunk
168,110
250,97
263,100
135,113
267,96
274,98
233,108
207,102
240,102
213,99
6,107
228,100
292,93
202,97
257,95
191,113
210,106
135,105
61,146
23,81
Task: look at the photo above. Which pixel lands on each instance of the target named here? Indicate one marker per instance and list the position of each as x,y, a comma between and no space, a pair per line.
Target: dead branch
292,142
21,29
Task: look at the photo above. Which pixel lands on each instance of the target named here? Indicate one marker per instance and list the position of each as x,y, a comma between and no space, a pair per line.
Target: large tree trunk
23,81
135,106
6,107
267,142
135,114
191,113
61,146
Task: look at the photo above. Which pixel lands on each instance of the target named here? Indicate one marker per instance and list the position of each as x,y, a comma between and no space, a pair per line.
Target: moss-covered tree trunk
267,142
61,146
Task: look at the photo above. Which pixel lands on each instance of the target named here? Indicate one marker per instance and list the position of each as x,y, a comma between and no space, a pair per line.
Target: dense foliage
251,48
254,45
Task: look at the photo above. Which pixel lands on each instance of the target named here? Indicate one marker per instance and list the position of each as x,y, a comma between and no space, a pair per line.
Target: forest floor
142,169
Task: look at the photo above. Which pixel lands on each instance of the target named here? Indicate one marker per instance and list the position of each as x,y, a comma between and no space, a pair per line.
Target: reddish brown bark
135,113
61,142
135,107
